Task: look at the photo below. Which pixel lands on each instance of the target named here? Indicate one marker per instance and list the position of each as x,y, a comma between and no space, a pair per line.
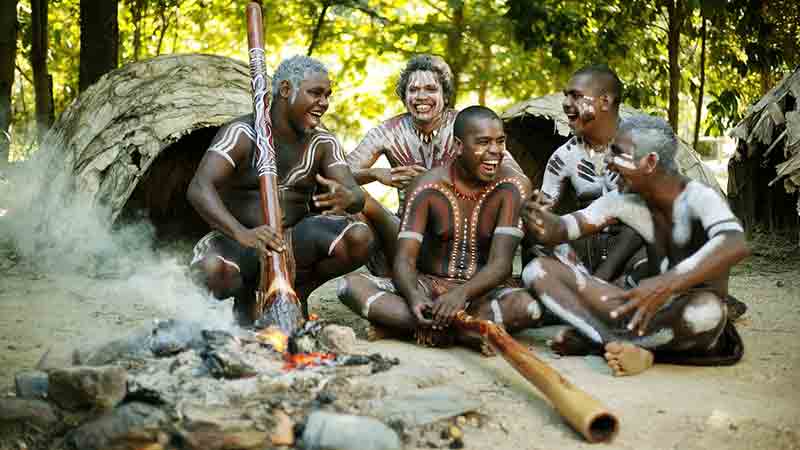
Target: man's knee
521,310
357,293
704,313
220,276
356,244
536,271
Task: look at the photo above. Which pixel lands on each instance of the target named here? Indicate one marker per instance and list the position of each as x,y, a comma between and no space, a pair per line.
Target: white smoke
55,230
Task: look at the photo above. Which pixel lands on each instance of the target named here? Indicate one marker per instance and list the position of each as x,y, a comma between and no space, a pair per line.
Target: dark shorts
313,235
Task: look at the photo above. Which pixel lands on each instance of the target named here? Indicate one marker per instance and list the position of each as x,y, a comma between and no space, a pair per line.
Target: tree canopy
500,51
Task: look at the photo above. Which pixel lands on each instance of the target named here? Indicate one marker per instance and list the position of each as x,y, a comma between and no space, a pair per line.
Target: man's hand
421,308
446,307
336,200
644,301
398,177
540,222
262,238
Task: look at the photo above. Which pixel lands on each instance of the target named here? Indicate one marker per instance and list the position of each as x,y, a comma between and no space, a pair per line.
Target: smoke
55,230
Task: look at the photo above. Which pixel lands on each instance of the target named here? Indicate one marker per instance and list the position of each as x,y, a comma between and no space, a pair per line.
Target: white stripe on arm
410,235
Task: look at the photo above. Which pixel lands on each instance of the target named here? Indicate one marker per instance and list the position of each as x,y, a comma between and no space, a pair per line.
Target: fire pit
179,385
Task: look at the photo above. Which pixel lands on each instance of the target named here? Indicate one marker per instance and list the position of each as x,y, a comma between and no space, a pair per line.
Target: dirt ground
752,405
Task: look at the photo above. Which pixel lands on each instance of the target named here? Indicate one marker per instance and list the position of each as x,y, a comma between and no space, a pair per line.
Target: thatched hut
537,127
764,173
133,140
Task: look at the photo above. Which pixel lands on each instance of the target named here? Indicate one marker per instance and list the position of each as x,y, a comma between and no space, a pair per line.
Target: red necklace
472,196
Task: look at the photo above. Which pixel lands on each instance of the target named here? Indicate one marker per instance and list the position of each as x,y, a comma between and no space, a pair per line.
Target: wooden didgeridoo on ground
276,301
582,411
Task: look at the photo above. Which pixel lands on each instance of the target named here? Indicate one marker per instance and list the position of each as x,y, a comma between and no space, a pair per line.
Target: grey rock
135,346
134,423
31,384
75,388
329,431
425,406
338,339
37,412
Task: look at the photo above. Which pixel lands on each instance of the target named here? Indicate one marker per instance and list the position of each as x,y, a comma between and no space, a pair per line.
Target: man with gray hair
317,195
693,239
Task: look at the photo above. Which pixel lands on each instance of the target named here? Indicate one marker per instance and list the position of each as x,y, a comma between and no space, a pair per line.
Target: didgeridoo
276,301
582,411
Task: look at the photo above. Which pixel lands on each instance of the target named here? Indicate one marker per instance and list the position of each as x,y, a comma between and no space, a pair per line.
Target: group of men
465,207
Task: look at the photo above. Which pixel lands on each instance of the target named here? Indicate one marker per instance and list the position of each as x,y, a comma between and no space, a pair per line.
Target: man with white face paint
693,239
413,142
313,175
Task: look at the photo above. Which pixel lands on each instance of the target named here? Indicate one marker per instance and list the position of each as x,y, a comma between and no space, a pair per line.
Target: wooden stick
582,411
276,301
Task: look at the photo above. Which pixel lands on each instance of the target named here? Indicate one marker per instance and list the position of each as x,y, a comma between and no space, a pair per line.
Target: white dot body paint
532,273
664,265
661,337
624,161
691,263
702,315
571,318
533,310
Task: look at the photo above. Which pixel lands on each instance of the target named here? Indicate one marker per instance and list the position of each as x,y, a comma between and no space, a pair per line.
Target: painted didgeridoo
276,301
582,411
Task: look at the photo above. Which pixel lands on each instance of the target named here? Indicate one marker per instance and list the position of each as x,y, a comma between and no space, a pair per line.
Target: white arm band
571,224
410,235
511,231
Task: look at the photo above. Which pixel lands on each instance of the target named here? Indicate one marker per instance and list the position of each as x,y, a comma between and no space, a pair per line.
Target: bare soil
752,405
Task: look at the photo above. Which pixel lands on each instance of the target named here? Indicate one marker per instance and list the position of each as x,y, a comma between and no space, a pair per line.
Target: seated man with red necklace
460,229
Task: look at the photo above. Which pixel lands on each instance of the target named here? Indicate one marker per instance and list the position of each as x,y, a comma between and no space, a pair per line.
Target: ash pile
178,385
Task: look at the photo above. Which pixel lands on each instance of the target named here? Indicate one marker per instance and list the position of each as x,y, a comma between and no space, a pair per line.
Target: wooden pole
276,301
582,411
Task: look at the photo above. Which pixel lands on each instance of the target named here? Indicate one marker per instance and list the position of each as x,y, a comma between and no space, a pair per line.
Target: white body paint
369,302
700,202
661,337
628,208
571,224
497,313
571,318
532,273
691,263
624,161
703,316
533,310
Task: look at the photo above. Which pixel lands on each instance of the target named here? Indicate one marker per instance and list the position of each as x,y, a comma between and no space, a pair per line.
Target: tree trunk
99,40
137,11
455,40
42,81
675,12
483,87
8,53
698,116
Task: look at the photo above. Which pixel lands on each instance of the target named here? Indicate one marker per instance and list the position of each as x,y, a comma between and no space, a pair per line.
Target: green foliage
501,51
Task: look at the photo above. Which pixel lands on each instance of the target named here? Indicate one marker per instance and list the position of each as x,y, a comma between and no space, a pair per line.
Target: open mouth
490,167
316,116
423,108
572,117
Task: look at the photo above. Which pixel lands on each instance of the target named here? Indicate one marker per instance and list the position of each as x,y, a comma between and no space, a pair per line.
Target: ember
304,360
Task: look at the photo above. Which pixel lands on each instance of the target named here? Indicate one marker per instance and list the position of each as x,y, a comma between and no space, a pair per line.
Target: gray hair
427,63
294,70
651,134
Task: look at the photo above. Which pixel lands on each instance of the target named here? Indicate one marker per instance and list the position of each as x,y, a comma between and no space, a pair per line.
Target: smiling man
693,239
313,176
456,244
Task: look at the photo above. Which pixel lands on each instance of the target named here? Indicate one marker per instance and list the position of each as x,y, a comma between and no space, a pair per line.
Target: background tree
99,39
8,52
42,81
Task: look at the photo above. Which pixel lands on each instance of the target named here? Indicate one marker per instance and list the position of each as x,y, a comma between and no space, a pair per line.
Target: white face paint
532,273
624,161
703,315
691,263
586,108
424,97
571,318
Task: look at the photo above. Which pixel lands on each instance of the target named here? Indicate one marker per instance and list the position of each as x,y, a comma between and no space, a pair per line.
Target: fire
274,337
303,360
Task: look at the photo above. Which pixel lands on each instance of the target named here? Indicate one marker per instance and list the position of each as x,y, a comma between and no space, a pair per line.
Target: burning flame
274,337
303,360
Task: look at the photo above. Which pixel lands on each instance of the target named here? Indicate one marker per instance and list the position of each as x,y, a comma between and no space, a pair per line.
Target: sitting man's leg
326,247
228,270
689,323
376,299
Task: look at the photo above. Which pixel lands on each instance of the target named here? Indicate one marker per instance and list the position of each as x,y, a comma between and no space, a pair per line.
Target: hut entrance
160,195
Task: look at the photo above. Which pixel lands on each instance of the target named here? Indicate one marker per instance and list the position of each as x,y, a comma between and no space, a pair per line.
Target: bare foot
627,359
568,342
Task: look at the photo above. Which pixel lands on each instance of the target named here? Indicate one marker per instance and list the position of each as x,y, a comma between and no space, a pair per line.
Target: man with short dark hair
693,239
456,244
314,176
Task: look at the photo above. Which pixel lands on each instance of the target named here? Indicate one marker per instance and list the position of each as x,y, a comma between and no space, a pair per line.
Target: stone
135,346
329,431
339,339
132,425
31,384
75,388
22,410
425,406
283,433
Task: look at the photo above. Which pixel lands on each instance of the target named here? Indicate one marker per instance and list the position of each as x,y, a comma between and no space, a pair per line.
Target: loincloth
300,240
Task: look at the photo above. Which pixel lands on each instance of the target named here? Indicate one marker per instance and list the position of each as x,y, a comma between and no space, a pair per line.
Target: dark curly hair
428,63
